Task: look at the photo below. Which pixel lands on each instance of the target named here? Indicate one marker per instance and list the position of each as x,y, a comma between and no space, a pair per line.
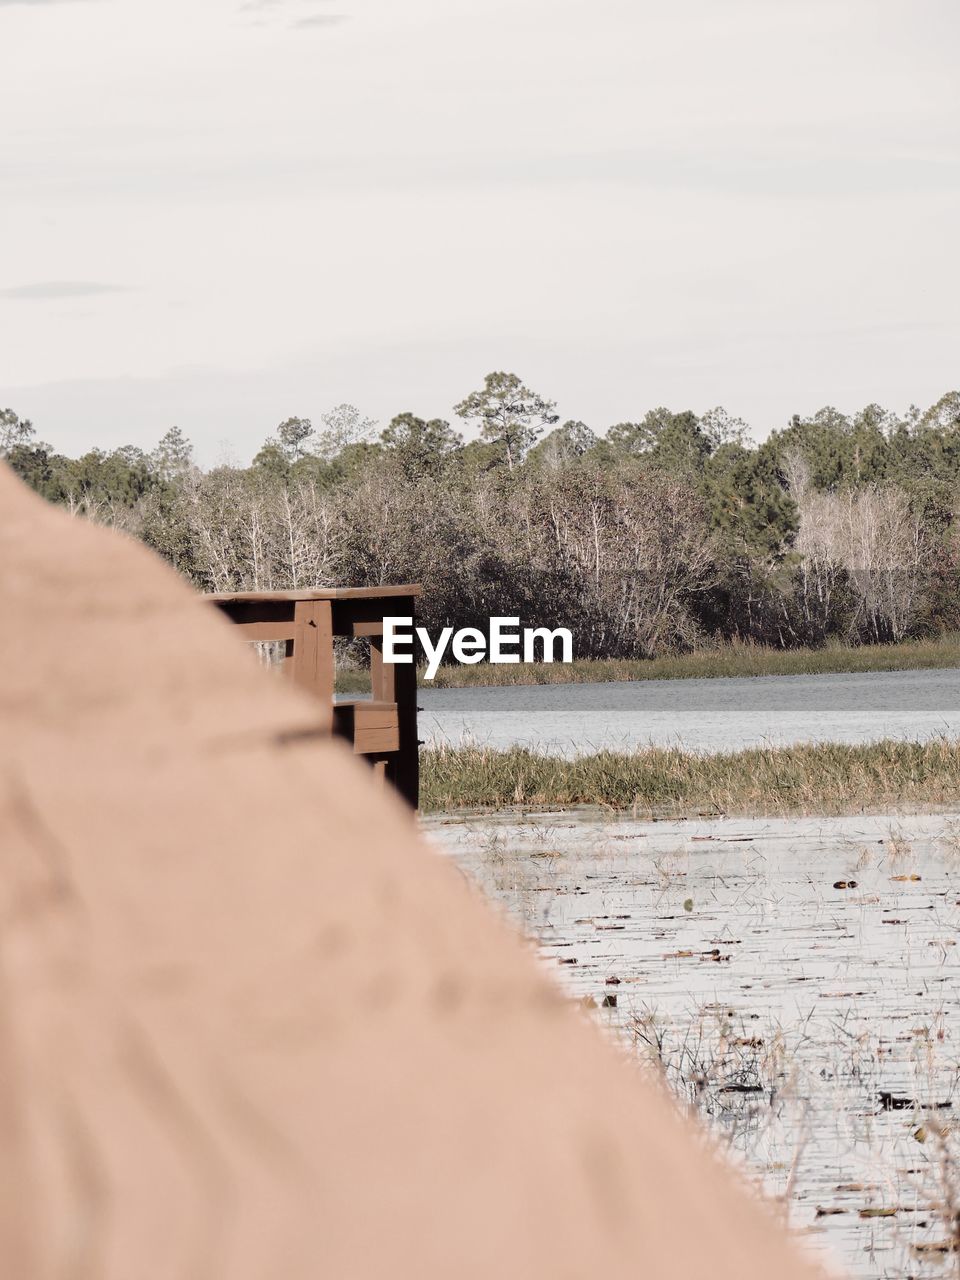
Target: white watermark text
504,643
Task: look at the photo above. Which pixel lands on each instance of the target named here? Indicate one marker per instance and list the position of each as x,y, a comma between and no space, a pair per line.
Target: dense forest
662,534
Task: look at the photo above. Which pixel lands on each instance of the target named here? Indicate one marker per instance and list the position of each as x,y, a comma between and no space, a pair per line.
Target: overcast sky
220,213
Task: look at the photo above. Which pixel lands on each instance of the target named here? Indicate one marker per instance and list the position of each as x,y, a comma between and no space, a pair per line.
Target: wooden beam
364,617
372,726
314,593
255,610
265,632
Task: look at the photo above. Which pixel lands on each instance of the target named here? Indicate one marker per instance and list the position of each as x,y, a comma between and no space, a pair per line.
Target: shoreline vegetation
819,778
730,660
670,532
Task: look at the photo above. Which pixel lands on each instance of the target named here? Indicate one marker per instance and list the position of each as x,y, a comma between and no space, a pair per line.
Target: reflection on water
795,980
708,715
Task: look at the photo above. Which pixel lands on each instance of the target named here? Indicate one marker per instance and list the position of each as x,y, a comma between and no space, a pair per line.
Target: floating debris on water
817,1033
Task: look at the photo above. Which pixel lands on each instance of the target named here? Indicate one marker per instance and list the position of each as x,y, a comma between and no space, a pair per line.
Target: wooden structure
383,728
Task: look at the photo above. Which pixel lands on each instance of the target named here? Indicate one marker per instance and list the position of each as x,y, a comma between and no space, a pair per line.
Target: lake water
704,715
797,982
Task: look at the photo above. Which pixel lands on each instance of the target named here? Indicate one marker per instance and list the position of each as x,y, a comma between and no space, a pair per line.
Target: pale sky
220,213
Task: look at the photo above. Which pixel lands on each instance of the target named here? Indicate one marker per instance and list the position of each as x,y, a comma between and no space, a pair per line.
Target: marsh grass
817,778
732,660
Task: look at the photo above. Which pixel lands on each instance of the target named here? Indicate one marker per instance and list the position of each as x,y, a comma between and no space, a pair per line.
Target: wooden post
382,683
313,650
397,682
403,769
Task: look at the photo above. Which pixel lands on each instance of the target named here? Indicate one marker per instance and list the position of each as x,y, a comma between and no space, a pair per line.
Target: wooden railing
383,728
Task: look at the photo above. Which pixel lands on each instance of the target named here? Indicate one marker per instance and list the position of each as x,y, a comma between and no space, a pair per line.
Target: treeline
659,535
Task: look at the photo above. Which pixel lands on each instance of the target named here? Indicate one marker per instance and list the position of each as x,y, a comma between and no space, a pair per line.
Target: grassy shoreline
731,660
822,778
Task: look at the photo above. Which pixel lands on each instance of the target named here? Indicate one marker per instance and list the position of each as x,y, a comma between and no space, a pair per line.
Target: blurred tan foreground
250,1026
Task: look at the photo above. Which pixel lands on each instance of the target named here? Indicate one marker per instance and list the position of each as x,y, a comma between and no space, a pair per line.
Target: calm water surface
705,715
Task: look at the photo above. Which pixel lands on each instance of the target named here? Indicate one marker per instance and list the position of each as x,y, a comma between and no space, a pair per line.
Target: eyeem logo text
469,644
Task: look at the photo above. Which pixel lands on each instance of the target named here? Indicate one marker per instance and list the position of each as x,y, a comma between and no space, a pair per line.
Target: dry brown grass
658,781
